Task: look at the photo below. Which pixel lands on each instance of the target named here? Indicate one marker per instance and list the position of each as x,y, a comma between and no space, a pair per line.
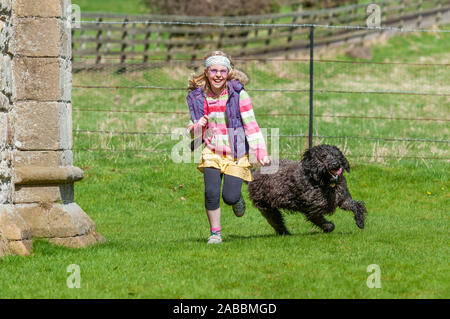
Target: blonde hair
201,80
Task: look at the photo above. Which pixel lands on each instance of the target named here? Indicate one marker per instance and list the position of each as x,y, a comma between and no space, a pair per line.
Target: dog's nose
335,165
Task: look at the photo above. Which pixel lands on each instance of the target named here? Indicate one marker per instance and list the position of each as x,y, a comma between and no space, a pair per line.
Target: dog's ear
346,165
310,165
343,160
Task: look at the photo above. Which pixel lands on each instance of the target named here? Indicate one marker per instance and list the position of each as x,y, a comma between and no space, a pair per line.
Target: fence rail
125,39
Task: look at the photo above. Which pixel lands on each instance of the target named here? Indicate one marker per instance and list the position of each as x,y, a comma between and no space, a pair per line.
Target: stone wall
36,161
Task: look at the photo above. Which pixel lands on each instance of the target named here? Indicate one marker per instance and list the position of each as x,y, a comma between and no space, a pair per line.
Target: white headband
218,59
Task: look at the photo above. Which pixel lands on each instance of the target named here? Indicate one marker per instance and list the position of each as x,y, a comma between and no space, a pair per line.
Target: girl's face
217,76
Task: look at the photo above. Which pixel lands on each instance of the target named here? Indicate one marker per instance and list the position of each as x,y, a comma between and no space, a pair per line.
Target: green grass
156,242
112,6
150,209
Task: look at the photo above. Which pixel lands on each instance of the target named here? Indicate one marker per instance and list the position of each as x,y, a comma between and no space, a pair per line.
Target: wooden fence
124,40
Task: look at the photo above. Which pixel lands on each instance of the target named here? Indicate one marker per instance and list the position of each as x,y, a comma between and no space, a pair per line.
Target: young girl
222,118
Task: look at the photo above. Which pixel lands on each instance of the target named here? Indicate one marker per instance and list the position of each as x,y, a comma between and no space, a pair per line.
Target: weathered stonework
36,161
6,81
36,79
37,125
43,158
5,6
41,8
15,233
3,128
36,193
41,79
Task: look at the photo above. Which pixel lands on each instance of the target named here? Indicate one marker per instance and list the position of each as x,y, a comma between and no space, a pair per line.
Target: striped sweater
217,137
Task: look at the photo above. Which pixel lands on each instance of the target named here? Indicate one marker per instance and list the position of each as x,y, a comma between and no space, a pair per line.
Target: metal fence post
311,82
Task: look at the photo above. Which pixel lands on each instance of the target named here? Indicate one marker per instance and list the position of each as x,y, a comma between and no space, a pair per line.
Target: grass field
150,209
156,242
112,6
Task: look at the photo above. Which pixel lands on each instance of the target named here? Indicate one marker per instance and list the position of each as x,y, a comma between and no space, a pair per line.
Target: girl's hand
265,161
203,121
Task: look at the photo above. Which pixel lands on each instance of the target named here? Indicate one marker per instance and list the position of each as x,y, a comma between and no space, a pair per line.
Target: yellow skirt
227,165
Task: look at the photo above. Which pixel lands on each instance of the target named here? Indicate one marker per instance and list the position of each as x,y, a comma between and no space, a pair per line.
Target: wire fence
266,25
269,90
144,37
372,105
275,114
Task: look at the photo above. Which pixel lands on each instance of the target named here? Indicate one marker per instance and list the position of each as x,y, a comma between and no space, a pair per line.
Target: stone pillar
36,161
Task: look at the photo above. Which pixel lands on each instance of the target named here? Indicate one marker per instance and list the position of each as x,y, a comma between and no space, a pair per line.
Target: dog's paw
283,232
327,227
360,223
359,219
360,215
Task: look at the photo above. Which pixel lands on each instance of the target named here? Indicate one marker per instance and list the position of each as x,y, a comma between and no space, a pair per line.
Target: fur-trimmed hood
241,77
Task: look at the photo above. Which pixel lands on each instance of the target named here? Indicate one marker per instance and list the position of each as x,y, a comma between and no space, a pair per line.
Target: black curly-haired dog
315,187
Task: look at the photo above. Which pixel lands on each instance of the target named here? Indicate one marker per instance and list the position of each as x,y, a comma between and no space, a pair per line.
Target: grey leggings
231,191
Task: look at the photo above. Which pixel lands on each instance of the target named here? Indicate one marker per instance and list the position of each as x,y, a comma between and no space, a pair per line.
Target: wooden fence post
124,44
148,34
420,17
98,59
291,31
